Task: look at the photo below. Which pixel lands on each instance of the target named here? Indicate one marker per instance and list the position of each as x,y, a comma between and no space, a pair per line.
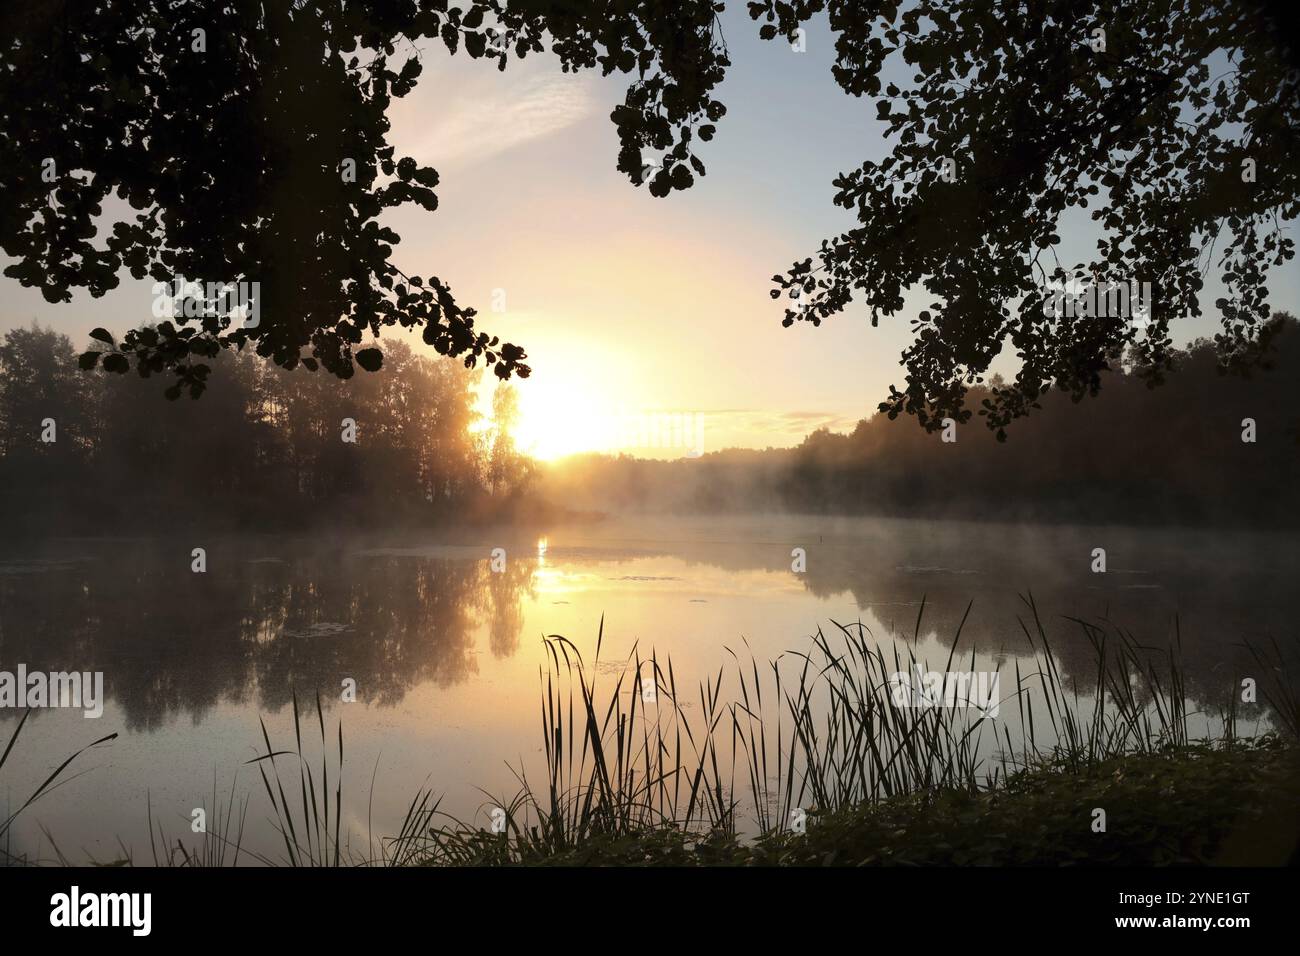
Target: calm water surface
446,654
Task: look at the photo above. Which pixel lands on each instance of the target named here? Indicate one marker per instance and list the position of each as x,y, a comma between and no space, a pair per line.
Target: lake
447,654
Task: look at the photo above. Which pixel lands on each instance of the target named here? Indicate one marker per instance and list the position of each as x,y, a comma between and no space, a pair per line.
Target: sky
637,313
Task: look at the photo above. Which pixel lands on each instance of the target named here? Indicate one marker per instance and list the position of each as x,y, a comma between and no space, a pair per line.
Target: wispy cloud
460,116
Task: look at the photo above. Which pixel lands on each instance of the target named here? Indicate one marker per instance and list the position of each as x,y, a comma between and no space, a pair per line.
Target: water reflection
269,619
252,631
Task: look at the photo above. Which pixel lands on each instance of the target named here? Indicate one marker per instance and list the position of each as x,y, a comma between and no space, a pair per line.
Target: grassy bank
1192,806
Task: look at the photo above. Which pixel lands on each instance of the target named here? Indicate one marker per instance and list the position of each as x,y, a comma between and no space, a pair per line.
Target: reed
817,731
6,822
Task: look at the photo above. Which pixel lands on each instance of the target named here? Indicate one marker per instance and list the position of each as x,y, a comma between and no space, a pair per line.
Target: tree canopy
1175,120
228,128
250,139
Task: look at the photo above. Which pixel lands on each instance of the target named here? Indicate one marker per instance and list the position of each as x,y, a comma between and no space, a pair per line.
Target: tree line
269,449
1208,447
91,452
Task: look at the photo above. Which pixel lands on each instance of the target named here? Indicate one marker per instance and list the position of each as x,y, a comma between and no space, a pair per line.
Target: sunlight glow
555,421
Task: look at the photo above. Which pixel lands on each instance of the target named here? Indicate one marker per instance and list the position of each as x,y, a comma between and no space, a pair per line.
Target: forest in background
263,449
1132,454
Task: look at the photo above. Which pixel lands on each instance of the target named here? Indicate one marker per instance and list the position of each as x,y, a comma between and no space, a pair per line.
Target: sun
561,419
575,402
